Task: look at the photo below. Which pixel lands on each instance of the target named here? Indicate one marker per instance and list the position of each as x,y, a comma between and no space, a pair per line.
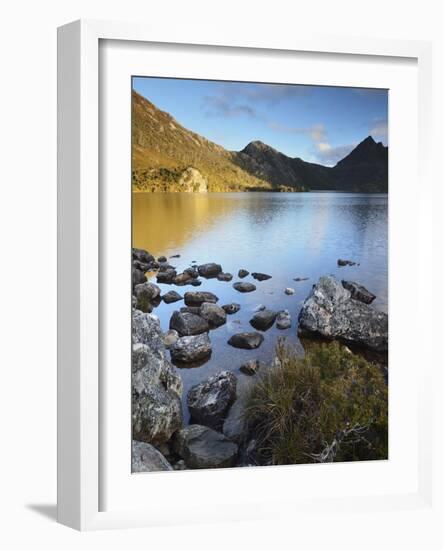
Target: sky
316,123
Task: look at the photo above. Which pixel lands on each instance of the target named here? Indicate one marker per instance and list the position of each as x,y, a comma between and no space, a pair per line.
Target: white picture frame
81,210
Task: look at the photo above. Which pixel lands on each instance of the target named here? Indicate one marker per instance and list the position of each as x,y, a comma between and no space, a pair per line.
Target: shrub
329,406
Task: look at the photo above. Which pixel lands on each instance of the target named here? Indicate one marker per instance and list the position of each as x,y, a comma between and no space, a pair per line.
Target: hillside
168,157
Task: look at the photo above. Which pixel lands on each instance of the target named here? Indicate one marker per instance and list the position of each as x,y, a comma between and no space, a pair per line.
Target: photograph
259,270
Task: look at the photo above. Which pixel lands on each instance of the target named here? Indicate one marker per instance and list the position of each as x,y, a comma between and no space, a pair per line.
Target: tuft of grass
329,406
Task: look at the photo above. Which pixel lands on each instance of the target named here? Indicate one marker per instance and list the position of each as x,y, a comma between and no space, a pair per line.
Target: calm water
285,235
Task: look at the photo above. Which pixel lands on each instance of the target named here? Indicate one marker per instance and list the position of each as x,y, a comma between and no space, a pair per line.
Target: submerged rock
224,277
156,384
244,287
197,298
171,297
146,458
298,279
214,314
246,340
201,447
188,324
289,291
242,273
342,263
231,308
250,367
209,401
261,276
191,349
263,320
283,320
209,270
329,311
359,292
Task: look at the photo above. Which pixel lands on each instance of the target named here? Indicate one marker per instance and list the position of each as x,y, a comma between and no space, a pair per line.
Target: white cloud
328,155
379,130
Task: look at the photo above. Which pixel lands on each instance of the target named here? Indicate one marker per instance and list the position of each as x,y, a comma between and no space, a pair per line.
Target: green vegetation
329,406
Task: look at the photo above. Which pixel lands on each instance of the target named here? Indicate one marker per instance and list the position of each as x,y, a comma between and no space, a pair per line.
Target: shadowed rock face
146,458
209,401
201,447
330,311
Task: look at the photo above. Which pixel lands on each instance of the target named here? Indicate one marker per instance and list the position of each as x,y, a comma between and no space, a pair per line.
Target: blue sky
317,123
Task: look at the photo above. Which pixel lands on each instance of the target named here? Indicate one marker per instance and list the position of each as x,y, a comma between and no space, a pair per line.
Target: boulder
171,297
209,401
142,256
263,320
329,311
142,266
359,292
195,282
224,277
146,458
214,314
156,385
197,298
162,259
246,340
289,291
190,309
242,273
261,276
138,277
188,324
283,320
191,349
231,308
209,270
183,279
201,447
167,276
147,294
342,263
244,287
192,271
250,367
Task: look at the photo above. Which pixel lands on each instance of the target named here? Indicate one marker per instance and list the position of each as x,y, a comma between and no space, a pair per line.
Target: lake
286,235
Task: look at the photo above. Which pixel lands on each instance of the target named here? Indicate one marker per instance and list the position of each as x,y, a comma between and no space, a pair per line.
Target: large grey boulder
209,270
146,458
246,340
330,311
359,292
201,447
156,384
191,349
214,314
188,324
209,401
264,319
197,298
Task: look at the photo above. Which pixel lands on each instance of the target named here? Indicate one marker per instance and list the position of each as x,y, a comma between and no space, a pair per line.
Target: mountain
168,157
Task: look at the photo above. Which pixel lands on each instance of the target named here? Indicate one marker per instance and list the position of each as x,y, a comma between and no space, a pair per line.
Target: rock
289,291
183,279
146,458
329,311
242,273
231,308
138,277
195,282
156,384
192,181
342,263
263,320
359,292
209,270
165,267
298,279
142,256
224,277
197,298
250,367
191,349
283,320
192,271
260,307
261,276
175,256
170,338
188,324
171,297
180,465
214,314
142,266
244,287
190,309
246,340
166,277
146,295
209,401
162,259
202,447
